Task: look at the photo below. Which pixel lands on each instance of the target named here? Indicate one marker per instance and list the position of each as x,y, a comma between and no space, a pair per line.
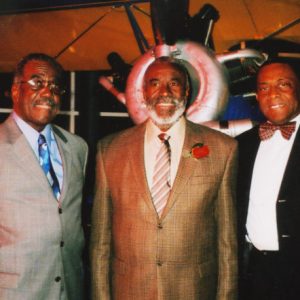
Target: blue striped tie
45,162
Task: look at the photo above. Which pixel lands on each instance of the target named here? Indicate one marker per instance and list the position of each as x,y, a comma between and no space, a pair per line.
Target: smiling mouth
165,104
276,106
44,106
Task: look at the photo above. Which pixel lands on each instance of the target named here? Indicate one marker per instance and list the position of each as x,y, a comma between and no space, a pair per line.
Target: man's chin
164,121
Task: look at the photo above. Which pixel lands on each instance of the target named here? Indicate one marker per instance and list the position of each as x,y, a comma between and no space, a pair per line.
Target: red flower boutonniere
198,151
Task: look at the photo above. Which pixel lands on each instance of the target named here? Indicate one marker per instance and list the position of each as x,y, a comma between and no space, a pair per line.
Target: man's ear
187,89
15,92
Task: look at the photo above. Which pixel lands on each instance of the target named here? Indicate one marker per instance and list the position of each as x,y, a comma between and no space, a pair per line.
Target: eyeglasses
36,84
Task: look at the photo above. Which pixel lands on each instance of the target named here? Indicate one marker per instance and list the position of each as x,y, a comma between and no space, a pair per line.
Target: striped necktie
45,162
161,185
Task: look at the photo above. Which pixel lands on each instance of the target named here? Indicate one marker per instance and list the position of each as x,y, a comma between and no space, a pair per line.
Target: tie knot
163,137
267,129
41,139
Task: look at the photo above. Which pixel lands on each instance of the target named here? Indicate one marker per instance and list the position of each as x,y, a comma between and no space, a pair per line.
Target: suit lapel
26,157
186,166
292,171
248,146
66,158
248,152
137,164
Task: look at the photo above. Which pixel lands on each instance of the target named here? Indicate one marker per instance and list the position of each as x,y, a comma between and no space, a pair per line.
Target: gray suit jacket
40,245
188,253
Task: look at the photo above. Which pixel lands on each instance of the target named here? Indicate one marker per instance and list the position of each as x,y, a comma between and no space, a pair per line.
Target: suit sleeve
227,241
100,244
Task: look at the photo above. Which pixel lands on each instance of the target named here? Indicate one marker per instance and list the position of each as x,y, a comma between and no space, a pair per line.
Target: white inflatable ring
209,90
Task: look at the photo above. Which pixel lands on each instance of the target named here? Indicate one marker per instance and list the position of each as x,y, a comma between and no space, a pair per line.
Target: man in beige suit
41,237
184,248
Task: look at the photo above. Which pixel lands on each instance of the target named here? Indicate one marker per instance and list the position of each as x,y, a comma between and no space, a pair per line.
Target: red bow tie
266,130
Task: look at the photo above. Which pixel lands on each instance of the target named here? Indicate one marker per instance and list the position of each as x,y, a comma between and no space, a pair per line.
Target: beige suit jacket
40,247
188,253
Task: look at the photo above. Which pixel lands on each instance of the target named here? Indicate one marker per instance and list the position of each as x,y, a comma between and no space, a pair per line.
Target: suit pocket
8,280
208,179
207,268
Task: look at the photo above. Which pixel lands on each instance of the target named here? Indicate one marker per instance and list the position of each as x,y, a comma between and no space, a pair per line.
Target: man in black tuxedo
269,190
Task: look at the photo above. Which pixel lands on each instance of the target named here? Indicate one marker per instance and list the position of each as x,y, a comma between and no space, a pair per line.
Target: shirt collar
153,131
178,129
30,133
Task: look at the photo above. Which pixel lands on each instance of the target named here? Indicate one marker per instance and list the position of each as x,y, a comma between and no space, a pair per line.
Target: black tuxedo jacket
288,201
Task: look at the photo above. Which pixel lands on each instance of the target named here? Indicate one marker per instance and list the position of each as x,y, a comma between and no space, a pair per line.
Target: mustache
46,101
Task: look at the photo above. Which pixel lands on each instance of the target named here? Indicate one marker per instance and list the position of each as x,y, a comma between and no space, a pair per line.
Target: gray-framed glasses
36,84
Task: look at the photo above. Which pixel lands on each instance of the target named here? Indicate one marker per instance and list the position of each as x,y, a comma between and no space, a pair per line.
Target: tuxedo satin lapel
252,148
136,153
186,167
248,146
292,171
248,152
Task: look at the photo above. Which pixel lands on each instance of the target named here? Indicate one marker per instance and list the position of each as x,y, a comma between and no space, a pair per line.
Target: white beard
159,121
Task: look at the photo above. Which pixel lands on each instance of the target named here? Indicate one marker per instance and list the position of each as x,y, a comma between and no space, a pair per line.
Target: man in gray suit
173,238
41,237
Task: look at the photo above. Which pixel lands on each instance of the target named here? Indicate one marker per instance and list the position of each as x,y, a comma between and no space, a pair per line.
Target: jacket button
57,279
159,226
159,263
62,243
60,210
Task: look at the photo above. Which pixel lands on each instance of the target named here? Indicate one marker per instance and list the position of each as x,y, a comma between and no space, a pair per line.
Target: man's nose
274,91
46,91
164,90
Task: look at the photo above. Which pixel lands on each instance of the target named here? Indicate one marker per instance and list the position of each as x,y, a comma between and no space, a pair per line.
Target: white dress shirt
32,137
269,167
152,145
